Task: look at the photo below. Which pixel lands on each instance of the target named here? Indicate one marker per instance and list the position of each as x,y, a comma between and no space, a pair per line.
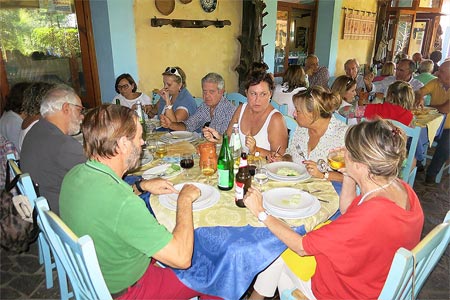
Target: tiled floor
22,277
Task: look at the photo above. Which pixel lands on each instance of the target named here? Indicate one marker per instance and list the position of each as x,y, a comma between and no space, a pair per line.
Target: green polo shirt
95,201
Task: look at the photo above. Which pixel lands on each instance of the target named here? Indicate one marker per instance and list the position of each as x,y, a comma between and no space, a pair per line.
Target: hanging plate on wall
185,1
165,7
208,5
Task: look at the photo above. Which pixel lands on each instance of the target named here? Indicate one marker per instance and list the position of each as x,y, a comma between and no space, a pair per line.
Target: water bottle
225,164
236,145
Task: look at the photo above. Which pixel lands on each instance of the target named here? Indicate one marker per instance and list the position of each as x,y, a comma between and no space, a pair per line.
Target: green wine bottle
140,113
225,164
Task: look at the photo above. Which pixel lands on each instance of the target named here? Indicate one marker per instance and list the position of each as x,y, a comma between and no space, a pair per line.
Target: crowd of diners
83,182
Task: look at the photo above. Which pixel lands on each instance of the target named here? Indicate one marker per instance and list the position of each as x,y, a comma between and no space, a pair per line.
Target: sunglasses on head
173,71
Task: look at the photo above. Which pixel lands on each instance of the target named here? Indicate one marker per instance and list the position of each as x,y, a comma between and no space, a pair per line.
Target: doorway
47,40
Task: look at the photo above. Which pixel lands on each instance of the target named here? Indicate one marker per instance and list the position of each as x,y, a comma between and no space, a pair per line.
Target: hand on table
274,156
165,121
253,201
158,186
189,192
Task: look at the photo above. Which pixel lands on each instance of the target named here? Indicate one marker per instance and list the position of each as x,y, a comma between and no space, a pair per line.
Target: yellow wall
359,49
197,51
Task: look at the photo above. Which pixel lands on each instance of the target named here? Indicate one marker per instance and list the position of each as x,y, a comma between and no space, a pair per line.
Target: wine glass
261,177
336,159
208,168
151,146
161,149
187,162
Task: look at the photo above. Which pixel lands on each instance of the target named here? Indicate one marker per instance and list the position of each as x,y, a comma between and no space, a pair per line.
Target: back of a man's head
103,126
54,99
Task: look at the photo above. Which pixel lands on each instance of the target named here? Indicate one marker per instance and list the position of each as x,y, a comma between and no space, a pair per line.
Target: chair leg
441,172
44,253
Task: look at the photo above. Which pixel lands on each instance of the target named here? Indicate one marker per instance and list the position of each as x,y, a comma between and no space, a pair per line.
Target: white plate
209,197
273,168
156,171
146,157
290,203
178,135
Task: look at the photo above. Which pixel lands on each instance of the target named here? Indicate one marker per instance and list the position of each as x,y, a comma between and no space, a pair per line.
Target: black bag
16,234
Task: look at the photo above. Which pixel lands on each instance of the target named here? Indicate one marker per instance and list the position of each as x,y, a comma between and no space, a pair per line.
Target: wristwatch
138,186
169,106
262,216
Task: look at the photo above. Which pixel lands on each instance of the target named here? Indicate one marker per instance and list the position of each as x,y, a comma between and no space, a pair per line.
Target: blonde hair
388,69
379,145
318,101
401,93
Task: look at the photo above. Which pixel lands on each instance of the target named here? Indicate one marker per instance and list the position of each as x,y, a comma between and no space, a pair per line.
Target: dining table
432,123
230,245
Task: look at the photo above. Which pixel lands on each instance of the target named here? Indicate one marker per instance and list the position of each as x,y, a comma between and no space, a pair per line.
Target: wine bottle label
224,178
239,191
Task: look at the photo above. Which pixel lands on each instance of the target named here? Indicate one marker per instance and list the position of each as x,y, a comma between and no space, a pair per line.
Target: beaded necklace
375,190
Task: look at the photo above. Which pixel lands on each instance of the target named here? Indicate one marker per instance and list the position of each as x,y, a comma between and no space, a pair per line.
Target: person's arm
178,252
253,201
176,116
167,123
277,135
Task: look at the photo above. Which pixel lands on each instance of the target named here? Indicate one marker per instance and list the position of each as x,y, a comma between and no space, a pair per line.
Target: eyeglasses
123,87
82,109
173,71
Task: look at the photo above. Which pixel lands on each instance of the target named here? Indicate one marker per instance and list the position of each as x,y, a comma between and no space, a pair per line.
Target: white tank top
262,137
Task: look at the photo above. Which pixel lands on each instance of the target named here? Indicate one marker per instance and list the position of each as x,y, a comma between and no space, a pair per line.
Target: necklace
375,190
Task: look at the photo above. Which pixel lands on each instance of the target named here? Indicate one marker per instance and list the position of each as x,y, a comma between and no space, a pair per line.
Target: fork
300,152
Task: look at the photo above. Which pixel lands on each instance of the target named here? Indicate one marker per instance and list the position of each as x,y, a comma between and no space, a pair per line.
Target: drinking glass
336,159
161,149
151,146
208,167
261,177
187,162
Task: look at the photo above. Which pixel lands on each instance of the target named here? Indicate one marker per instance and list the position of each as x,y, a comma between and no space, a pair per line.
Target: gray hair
426,66
214,78
350,61
56,97
411,63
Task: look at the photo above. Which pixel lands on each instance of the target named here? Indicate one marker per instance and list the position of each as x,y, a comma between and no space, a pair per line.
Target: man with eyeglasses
49,151
215,110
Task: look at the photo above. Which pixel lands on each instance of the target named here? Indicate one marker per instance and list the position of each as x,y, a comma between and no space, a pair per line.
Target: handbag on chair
16,230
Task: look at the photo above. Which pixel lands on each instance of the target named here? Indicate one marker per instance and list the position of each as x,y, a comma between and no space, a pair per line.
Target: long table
231,246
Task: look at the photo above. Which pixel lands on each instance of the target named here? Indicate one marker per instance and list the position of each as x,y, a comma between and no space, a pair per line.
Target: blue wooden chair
291,125
408,173
410,269
236,98
26,188
282,108
76,255
340,117
198,101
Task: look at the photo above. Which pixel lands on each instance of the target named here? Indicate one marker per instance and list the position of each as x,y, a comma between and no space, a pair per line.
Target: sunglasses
173,71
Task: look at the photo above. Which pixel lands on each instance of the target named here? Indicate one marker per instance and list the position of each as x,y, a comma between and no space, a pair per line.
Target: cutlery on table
300,152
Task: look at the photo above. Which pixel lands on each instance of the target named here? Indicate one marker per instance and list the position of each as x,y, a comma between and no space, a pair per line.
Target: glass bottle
243,181
235,145
225,166
140,113
117,101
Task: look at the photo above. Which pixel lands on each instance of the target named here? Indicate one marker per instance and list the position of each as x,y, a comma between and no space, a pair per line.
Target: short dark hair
14,99
256,77
104,125
128,78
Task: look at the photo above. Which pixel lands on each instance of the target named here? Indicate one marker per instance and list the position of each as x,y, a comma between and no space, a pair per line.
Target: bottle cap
235,125
257,154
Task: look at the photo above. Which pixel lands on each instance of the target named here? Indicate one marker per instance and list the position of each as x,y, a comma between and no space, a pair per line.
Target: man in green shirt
95,200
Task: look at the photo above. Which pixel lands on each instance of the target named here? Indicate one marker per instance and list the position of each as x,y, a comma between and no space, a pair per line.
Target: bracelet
168,107
326,175
138,186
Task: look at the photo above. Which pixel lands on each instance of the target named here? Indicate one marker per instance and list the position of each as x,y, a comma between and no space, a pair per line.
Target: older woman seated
318,131
128,96
176,103
354,252
261,126
397,106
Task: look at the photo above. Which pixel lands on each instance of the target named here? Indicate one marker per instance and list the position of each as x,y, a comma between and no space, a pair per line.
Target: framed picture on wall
301,40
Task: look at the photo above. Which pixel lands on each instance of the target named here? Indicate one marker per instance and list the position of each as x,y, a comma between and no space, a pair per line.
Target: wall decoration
359,25
165,7
208,5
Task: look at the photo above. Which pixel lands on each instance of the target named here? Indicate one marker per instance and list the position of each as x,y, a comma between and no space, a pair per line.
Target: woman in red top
354,252
397,105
